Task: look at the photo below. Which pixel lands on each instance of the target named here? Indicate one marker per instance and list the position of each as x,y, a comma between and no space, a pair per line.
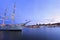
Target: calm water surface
10,35
42,33
32,34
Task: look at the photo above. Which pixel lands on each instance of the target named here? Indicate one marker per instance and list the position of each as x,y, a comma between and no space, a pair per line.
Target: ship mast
13,14
3,24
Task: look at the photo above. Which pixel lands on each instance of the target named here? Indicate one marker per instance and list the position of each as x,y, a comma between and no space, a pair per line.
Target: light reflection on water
42,33
10,35
1,35
31,33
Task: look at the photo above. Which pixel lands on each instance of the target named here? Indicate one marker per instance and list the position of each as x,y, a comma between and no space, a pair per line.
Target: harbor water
32,34
41,33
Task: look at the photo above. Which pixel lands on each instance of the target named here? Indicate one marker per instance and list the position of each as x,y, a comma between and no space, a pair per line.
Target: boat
12,26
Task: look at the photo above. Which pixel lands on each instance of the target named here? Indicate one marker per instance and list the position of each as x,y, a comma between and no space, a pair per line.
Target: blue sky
38,11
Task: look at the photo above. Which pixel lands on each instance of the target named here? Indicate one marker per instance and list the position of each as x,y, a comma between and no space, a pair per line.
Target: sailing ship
11,26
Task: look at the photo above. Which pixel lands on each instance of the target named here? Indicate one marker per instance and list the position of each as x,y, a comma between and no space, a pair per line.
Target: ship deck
10,28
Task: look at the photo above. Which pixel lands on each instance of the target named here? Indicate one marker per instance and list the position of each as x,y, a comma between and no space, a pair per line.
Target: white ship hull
10,28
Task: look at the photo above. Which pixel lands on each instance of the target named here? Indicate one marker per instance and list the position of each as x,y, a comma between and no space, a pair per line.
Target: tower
13,14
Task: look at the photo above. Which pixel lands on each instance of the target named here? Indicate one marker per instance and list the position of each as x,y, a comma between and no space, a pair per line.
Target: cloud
52,19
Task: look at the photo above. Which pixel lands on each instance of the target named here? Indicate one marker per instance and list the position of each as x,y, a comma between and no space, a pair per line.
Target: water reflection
10,35
41,33
1,35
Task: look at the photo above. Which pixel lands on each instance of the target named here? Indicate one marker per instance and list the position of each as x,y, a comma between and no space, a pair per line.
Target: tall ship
11,26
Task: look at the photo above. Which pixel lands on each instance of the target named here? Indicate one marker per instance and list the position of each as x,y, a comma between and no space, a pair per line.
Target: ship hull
10,28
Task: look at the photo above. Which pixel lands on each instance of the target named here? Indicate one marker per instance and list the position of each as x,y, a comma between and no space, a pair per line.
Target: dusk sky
38,11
